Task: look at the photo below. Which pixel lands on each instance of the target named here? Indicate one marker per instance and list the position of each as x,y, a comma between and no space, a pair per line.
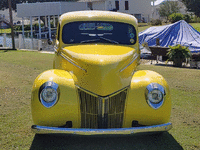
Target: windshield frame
105,36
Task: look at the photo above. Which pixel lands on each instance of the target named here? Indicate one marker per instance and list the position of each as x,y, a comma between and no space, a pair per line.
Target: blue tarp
169,35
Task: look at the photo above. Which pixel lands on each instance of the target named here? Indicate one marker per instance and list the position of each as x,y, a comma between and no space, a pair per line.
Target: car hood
101,69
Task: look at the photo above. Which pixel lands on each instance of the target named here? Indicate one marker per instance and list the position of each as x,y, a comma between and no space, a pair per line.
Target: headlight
155,94
48,94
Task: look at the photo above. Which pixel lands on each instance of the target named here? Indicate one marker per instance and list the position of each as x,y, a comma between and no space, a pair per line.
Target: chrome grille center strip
103,112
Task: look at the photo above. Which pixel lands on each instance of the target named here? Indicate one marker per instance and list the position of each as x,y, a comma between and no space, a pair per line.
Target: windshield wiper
109,40
88,41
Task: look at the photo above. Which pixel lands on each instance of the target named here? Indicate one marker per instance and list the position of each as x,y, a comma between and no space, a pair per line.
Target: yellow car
94,87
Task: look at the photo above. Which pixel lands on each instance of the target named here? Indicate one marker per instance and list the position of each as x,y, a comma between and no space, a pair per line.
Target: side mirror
50,41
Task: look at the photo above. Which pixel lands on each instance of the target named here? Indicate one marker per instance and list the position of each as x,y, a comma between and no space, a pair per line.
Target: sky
158,2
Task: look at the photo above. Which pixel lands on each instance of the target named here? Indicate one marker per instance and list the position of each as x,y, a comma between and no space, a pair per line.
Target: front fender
66,109
137,108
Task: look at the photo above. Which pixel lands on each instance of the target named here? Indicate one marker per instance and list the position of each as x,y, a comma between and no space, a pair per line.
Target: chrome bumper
114,131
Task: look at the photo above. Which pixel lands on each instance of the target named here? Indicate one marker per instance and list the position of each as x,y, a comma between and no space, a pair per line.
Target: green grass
185,92
142,28
196,26
18,72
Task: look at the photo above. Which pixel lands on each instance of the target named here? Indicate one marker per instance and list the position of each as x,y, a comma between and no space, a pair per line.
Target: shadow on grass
6,50
163,141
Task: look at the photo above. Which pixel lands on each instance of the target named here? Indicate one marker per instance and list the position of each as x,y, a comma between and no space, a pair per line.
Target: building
140,9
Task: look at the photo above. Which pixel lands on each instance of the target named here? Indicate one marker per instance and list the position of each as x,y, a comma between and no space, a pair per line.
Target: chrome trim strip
100,110
55,49
71,61
114,93
103,112
106,111
134,58
115,131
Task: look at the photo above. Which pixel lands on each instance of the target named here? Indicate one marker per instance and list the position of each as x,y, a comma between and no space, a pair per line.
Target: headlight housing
155,95
49,94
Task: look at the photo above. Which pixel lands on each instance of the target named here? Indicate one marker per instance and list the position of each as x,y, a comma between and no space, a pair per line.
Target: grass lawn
18,71
17,74
142,28
196,26
185,93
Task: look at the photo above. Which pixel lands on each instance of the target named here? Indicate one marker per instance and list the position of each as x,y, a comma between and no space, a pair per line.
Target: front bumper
115,131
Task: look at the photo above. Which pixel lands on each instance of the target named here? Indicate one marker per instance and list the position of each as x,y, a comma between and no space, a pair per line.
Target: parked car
94,87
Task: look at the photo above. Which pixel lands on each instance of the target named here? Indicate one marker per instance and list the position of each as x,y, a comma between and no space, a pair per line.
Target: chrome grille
102,112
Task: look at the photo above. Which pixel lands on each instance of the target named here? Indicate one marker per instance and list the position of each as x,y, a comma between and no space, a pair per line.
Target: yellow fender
137,107
67,107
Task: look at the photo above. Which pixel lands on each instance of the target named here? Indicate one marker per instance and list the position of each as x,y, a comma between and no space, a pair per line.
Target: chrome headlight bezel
51,87
155,95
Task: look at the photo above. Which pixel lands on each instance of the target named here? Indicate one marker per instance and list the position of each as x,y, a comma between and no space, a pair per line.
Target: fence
25,43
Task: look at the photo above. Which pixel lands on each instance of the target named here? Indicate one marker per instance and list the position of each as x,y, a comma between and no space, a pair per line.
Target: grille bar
102,112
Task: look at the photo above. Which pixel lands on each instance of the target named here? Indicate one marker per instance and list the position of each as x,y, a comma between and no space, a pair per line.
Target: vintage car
94,87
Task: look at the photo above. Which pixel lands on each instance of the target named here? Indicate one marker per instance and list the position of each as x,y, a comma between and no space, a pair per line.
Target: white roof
90,0
157,2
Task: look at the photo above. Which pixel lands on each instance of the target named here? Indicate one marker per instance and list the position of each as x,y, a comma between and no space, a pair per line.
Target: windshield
99,32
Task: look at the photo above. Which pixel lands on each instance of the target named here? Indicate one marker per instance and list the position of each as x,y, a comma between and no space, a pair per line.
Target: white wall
73,6
109,5
98,5
142,7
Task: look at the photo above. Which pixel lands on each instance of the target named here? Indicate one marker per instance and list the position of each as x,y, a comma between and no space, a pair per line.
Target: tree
176,17
193,6
4,3
168,7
